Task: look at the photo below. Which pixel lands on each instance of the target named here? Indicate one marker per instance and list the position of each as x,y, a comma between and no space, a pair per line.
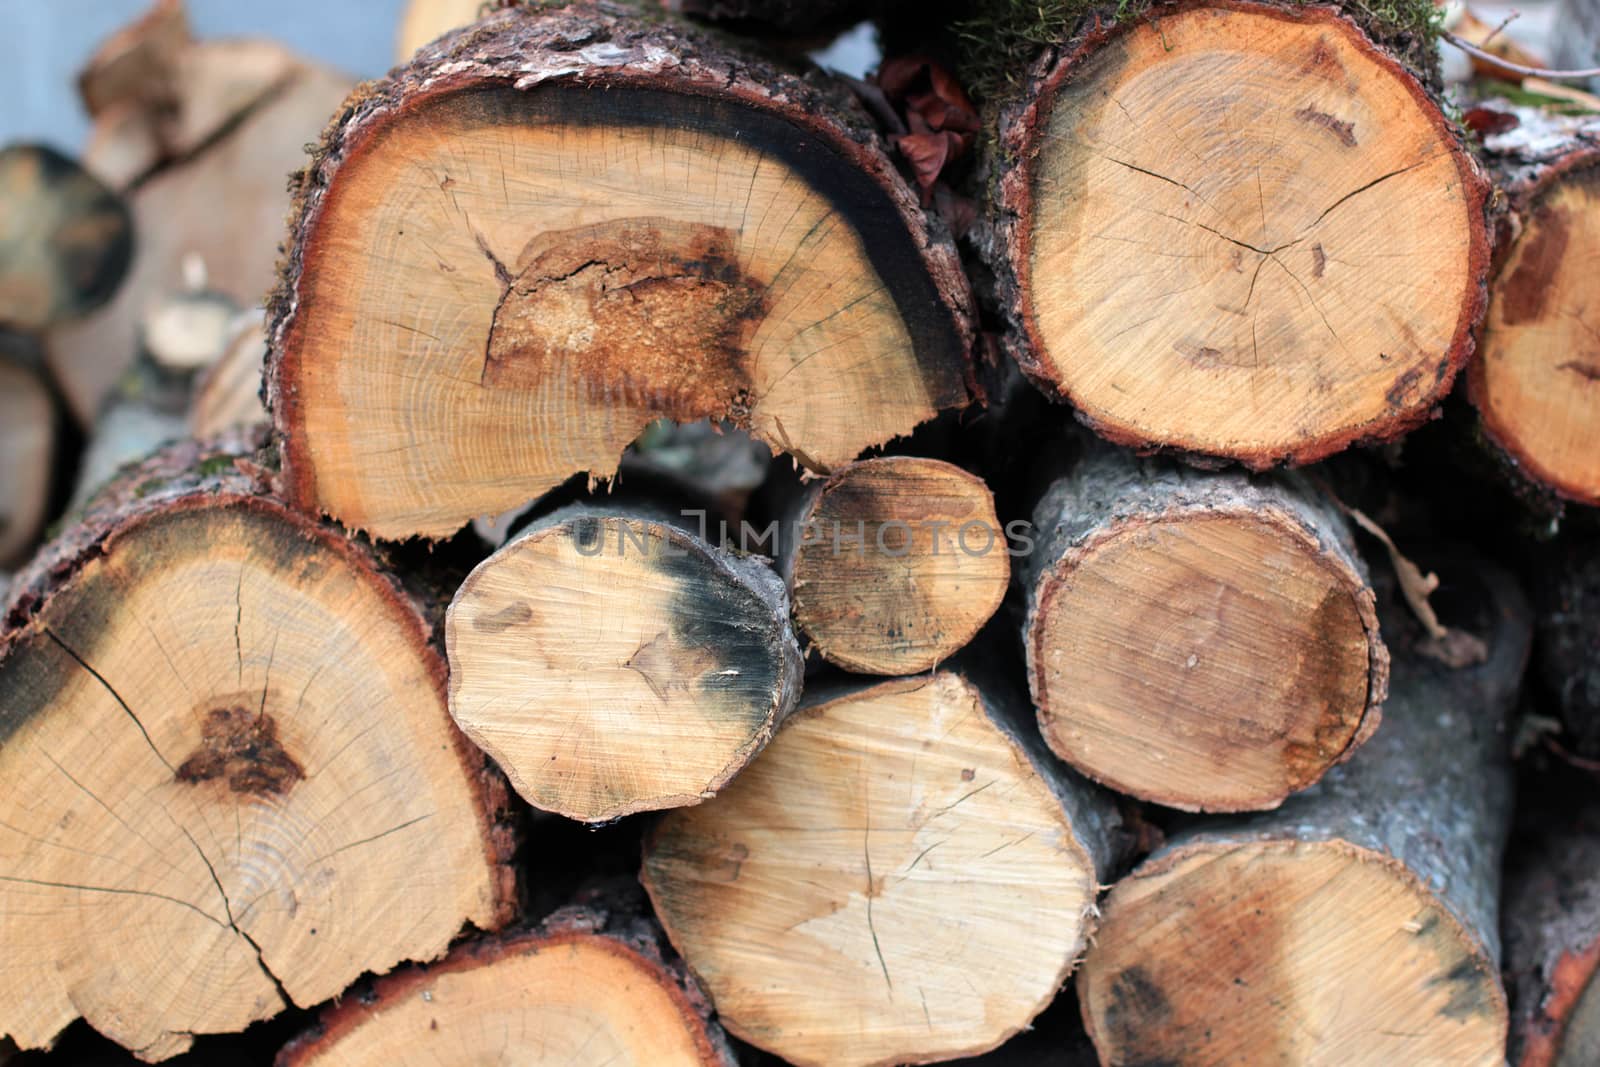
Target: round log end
1537,382
1306,233
230,774
1204,659
562,997
876,857
612,665
1278,951
902,564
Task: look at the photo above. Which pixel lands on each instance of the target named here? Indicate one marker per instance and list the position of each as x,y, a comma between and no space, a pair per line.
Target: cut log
65,239
612,662
1536,382
231,780
1203,641
1355,924
906,858
1238,229
243,168
228,395
512,256
1552,928
29,426
425,21
583,989
895,563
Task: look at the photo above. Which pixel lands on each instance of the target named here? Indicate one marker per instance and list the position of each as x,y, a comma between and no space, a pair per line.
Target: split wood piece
231,780
1552,928
1242,230
512,256
1536,382
906,860
611,662
1203,641
572,992
228,395
244,169
1358,922
65,239
895,563
136,63
29,449
425,21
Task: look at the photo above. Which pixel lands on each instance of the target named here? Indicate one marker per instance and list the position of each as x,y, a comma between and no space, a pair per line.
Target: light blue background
43,43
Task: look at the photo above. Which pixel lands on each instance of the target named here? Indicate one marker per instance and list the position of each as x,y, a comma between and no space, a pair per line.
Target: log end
902,564
612,665
746,252
223,729
877,857
1309,233
1278,951
1205,659
563,995
1536,382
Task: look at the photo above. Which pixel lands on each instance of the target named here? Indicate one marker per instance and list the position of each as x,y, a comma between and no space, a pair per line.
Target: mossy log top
1236,229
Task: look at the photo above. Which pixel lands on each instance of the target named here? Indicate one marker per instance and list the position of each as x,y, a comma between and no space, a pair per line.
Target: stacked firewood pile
704,561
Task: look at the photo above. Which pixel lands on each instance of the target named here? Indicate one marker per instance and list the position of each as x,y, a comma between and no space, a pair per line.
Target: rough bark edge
590,46
1091,819
1006,243
1551,923
1481,955
747,572
637,941
804,509
1071,530
227,471
1529,162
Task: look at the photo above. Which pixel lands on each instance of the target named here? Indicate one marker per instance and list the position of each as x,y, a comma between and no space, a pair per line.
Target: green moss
1002,39
217,464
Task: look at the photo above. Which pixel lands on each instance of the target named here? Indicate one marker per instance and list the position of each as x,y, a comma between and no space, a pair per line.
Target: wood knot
241,747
